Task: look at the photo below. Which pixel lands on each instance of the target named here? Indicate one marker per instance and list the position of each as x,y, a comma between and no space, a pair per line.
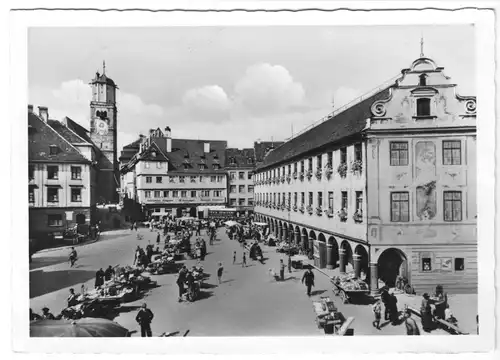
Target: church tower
103,133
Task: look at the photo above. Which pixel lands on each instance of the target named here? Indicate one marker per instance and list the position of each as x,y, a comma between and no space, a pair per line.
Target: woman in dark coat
393,309
426,313
99,278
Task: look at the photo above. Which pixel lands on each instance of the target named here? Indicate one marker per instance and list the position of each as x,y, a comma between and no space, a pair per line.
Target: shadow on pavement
205,295
208,286
318,292
42,282
40,262
227,281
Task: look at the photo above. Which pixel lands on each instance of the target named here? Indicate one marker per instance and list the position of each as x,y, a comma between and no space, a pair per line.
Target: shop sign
69,215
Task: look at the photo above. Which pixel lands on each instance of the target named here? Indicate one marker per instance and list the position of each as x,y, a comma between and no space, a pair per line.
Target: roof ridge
67,127
62,137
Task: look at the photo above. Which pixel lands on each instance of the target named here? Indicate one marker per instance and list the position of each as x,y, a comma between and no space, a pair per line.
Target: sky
239,84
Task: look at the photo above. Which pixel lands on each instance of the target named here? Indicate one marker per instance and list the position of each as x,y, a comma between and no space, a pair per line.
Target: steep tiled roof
41,136
65,132
77,129
241,158
347,123
191,153
263,147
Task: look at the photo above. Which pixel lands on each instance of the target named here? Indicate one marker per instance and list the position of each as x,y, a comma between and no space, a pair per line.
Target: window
205,193
399,153
149,179
157,210
295,198
241,189
423,107
250,202
158,165
52,172
183,193
201,179
250,188
232,202
216,166
232,189
232,175
422,80
54,220
426,264
310,202
452,152
400,206
76,195
359,200
53,150
147,194
250,161
193,179
213,179
330,158
310,164
274,198
31,172
217,193
344,200
52,194
241,202
202,166
358,152
175,193
165,210
452,206
76,173
249,175
159,179
343,155
289,199
459,264
320,198
182,179
295,167
157,194
220,178
241,175
31,195
302,165
166,193
302,198
193,193
319,161
289,169
330,200
146,165
284,198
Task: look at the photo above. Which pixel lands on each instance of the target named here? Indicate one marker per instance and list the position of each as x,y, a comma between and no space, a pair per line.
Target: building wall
241,200
425,178
39,220
329,219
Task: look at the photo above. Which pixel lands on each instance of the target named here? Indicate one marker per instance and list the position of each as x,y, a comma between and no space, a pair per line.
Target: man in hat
108,274
308,279
72,298
46,314
99,278
144,318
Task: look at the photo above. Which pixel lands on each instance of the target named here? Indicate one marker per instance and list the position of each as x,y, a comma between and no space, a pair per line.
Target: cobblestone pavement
248,302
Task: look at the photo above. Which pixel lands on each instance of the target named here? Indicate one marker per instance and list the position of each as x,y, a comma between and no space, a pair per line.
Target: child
234,257
220,270
377,310
244,262
448,315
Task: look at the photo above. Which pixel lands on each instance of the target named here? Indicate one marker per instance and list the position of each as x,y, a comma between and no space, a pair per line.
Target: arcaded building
386,185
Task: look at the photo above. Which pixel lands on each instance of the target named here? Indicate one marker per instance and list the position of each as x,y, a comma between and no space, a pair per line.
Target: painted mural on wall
425,168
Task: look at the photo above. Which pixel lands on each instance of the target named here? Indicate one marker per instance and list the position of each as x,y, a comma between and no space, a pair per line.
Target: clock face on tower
101,127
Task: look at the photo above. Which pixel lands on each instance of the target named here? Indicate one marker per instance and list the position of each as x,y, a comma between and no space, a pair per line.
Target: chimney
30,108
151,132
168,135
206,148
43,111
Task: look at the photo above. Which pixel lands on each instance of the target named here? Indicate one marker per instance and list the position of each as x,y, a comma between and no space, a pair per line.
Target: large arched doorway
297,237
314,247
361,265
322,251
280,231
332,254
291,234
305,241
391,263
345,262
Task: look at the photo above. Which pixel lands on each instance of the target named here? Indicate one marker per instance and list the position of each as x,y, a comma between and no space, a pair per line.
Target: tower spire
422,46
103,67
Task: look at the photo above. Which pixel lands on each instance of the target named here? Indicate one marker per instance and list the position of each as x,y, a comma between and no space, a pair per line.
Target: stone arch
313,249
391,263
305,241
332,253
297,236
291,234
322,251
280,231
345,257
361,261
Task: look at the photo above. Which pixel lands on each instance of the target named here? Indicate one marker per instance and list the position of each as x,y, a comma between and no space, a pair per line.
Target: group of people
103,275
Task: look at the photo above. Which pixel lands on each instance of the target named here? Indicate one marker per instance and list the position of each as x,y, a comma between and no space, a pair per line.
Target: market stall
349,287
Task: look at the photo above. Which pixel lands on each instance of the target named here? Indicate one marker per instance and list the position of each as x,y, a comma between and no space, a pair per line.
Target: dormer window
53,150
423,107
422,80
153,154
250,161
216,166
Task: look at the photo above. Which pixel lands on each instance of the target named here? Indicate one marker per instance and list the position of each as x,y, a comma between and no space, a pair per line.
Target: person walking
411,324
72,257
158,237
377,312
308,279
220,270
181,278
282,270
244,262
234,257
99,278
144,318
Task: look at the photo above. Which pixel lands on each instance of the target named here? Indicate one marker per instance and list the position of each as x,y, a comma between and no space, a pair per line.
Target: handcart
330,319
349,287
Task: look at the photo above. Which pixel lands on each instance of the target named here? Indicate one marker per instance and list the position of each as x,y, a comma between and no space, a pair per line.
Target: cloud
268,88
209,102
